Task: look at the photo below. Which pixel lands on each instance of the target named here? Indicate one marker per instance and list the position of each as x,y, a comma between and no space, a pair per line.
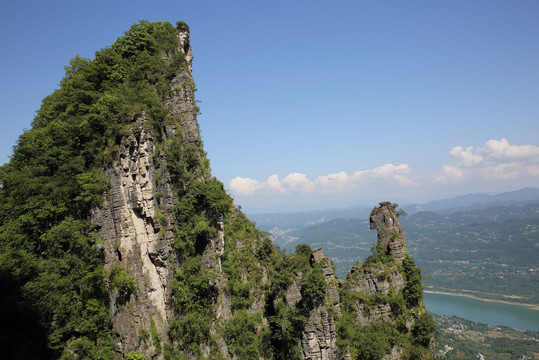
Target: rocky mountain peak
385,219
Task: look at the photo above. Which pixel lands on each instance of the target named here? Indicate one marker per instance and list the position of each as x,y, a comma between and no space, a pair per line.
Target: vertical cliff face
159,262
136,243
135,220
319,336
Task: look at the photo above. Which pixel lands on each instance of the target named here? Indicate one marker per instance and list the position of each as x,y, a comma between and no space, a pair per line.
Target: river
515,316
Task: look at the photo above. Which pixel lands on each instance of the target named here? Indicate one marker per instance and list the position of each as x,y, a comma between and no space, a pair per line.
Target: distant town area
464,339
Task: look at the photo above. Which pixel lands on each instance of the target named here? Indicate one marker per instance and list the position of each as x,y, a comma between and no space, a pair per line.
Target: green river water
515,316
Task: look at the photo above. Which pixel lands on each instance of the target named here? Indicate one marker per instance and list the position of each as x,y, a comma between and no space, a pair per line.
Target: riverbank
477,297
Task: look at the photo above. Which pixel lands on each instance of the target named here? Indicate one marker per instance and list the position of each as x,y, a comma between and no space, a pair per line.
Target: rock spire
385,219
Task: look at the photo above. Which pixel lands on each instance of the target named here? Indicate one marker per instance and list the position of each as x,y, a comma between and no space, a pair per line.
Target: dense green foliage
379,256
49,262
121,282
286,322
202,204
244,338
413,290
313,286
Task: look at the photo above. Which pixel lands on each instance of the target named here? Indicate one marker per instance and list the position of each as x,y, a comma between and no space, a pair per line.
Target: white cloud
298,182
449,173
273,184
501,149
244,186
466,156
496,160
397,173
533,170
332,183
248,186
502,171
495,165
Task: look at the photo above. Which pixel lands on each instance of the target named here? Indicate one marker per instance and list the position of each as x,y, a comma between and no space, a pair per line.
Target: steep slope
120,244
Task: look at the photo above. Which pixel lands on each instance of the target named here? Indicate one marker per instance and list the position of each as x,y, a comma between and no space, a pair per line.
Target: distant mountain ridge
476,201
289,226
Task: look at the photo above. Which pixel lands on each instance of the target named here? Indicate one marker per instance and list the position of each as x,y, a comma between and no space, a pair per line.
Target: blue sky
312,104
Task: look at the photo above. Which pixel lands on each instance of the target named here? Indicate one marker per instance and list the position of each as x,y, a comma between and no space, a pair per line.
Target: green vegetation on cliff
375,339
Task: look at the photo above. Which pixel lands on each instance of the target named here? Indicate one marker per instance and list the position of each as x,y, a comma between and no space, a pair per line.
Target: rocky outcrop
377,291
385,219
319,337
138,242
318,257
375,279
136,225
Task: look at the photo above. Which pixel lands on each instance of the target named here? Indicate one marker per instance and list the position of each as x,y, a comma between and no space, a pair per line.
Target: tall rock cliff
117,237
135,217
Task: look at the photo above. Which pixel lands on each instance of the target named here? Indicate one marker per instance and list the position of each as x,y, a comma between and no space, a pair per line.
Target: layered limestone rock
137,234
372,280
319,337
376,279
135,223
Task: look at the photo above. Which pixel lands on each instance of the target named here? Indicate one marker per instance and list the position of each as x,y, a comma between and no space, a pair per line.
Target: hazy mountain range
287,225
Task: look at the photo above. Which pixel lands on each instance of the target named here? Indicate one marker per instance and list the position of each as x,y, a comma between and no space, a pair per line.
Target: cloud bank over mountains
495,161
338,182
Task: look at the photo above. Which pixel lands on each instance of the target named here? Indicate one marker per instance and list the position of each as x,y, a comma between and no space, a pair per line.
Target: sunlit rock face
136,222
385,220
